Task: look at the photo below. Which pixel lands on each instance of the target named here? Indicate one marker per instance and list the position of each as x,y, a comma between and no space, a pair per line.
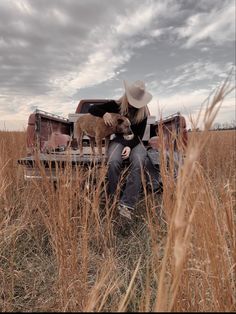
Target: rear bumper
36,174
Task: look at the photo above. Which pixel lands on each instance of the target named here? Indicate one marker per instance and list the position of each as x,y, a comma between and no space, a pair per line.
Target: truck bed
41,125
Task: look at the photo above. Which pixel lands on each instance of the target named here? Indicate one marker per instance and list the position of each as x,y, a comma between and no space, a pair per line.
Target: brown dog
96,129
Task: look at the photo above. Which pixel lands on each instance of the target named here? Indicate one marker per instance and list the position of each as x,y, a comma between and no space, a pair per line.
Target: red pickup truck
43,125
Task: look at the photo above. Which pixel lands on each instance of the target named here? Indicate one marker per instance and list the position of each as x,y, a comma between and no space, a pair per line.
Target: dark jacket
137,128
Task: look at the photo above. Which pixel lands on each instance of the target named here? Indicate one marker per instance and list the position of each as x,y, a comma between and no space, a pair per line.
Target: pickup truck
41,126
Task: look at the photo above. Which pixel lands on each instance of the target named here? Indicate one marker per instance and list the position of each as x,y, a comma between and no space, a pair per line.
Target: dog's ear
120,120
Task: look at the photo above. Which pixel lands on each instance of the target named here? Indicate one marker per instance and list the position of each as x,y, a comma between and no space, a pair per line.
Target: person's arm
100,110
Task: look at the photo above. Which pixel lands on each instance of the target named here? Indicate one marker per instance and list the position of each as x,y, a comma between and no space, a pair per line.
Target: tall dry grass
58,251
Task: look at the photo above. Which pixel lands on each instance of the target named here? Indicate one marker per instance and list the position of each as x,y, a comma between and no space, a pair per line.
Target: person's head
135,100
156,142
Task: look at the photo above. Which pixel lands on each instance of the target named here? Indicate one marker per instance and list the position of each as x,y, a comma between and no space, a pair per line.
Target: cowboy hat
137,96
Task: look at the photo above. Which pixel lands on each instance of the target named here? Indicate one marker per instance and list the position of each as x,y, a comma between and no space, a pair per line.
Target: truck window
86,107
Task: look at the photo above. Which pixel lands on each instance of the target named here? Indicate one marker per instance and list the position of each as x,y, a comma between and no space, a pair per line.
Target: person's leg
114,166
178,162
134,180
152,174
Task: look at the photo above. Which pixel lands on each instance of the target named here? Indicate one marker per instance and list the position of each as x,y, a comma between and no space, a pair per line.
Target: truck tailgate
40,164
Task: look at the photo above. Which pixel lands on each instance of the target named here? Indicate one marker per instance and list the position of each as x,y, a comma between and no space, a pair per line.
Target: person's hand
126,152
107,117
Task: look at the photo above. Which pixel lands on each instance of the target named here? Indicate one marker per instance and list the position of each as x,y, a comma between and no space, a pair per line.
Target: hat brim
137,103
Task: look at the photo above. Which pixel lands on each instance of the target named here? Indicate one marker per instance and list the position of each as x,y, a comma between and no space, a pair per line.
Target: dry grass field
58,251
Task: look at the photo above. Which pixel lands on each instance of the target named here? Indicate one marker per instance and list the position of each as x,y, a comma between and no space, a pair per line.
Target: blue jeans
152,166
133,182
152,170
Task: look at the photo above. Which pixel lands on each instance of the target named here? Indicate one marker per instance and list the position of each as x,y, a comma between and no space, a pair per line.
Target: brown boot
124,220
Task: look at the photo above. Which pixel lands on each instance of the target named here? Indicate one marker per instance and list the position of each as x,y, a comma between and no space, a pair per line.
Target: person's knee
138,158
137,161
138,153
115,163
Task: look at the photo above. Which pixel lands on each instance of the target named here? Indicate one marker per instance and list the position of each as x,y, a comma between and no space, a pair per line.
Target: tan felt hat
136,93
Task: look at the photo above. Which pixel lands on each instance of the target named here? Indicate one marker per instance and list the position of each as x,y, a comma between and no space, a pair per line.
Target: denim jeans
152,166
153,175
133,182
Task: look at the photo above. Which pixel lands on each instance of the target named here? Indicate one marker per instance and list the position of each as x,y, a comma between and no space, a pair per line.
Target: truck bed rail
51,115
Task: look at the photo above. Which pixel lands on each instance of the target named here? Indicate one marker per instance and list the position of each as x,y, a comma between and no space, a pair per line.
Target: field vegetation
59,251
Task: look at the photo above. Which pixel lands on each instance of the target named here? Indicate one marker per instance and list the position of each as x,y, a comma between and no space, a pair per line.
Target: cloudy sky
55,52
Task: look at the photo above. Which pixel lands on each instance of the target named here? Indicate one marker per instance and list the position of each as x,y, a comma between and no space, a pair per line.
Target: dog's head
123,127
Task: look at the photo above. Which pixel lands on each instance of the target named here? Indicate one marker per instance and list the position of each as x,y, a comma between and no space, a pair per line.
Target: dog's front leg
107,141
81,144
99,145
92,145
79,137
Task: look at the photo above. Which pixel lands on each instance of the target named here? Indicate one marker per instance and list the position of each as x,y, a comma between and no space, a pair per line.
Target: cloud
217,25
192,73
44,40
53,52
100,66
184,90
139,19
191,104
19,107
108,50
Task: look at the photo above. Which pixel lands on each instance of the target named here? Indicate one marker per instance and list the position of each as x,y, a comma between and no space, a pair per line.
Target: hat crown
137,89
137,94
